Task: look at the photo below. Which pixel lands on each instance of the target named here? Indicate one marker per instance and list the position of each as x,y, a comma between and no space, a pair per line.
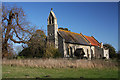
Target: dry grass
61,63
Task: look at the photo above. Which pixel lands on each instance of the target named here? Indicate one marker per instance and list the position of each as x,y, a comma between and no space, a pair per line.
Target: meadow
33,72
61,68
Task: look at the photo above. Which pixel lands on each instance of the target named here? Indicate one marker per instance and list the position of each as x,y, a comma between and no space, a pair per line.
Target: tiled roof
92,40
77,38
72,37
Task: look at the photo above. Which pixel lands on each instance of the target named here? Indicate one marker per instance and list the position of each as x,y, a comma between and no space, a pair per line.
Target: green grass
30,72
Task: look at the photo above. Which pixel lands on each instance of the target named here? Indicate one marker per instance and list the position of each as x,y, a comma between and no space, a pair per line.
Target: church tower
52,29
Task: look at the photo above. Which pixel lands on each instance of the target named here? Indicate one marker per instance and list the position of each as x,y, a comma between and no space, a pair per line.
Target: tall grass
61,63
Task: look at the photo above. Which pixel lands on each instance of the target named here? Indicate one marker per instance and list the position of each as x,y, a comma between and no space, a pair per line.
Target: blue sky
89,18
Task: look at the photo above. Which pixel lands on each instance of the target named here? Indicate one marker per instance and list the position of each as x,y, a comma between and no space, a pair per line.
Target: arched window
51,19
67,51
91,53
71,54
87,53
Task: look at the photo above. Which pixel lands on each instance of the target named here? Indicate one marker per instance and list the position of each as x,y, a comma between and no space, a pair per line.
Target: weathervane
51,9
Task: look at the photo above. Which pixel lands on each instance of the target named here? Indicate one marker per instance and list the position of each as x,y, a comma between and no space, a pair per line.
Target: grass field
33,72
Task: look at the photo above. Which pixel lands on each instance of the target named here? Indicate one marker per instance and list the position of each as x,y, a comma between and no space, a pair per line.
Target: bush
29,53
56,54
36,45
118,55
20,57
48,52
51,52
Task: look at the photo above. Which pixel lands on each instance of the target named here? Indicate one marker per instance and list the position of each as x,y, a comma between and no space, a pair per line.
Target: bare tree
14,27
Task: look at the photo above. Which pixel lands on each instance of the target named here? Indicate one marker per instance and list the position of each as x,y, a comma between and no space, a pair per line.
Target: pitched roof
72,37
77,38
92,40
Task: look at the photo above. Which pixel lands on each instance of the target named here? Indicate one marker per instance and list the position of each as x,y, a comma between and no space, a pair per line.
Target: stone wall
60,45
73,47
99,52
90,51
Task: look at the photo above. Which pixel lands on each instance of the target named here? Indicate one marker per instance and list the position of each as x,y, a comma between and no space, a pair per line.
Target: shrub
56,53
36,45
51,52
29,53
20,57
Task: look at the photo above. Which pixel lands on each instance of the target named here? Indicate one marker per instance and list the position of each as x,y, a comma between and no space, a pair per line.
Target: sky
98,19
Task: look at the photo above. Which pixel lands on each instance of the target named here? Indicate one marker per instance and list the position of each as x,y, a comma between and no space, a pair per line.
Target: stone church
72,44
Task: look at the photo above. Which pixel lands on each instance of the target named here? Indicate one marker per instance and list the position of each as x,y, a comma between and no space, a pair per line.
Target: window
67,51
51,19
50,34
87,53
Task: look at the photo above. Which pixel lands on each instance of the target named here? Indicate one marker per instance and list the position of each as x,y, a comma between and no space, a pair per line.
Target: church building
72,44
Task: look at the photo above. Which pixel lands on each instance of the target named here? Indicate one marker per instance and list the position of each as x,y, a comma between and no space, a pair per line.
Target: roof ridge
85,38
95,39
69,31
